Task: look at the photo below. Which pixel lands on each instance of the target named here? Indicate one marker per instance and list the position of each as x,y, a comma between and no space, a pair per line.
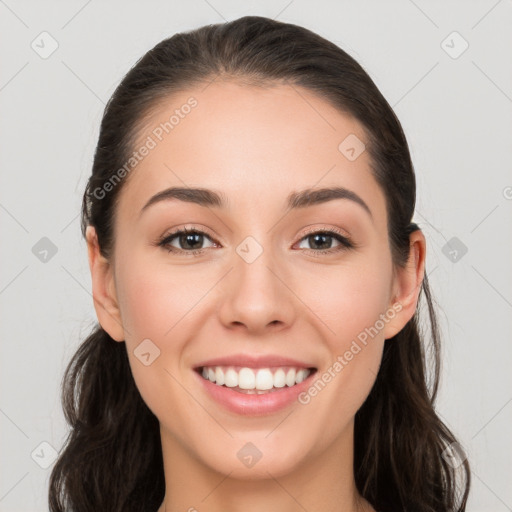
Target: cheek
157,303
349,300
349,297
154,298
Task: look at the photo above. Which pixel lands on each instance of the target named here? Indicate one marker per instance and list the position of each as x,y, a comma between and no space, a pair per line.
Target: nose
256,296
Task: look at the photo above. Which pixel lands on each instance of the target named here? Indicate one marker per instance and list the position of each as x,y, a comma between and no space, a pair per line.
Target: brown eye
322,242
185,240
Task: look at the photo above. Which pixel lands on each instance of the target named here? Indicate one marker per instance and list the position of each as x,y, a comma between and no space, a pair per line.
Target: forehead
253,143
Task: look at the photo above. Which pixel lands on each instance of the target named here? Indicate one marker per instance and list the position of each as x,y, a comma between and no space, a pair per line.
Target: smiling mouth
253,381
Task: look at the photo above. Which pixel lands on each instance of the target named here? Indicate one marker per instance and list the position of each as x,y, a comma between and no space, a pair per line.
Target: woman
257,279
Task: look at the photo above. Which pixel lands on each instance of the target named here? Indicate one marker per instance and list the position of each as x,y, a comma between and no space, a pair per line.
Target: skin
256,145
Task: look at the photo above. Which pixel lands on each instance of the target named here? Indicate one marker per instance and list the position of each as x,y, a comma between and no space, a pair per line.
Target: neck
325,481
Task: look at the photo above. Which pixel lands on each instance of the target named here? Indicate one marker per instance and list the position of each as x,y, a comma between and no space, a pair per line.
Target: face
310,286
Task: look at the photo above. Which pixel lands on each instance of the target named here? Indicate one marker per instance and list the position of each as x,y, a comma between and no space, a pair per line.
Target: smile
254,391
255,380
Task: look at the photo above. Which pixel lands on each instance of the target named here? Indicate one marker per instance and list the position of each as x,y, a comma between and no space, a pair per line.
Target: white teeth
219,376
301,375
290,377
279,379
264,379
246,379
254,381
231,378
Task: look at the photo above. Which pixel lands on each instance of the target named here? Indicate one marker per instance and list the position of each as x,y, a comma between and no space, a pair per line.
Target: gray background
456,113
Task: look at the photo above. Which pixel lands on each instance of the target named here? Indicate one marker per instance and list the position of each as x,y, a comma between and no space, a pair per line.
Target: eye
322,242
188,240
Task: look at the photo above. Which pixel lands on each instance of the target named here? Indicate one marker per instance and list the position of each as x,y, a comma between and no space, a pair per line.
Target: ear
103,288
407,285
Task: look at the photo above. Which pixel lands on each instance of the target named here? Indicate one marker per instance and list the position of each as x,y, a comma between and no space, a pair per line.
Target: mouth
255,381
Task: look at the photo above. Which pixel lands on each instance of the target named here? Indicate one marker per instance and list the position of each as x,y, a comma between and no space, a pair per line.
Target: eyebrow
216,199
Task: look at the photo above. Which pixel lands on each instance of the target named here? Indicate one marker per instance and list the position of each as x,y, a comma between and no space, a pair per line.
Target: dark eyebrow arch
211,198
312,196
200,196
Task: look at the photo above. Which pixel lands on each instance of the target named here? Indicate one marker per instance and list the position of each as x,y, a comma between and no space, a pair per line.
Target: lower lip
252,405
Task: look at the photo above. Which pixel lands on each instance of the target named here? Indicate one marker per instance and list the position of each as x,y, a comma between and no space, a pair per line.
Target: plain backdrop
446,69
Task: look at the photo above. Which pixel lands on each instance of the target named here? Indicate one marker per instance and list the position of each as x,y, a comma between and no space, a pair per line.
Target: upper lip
248,361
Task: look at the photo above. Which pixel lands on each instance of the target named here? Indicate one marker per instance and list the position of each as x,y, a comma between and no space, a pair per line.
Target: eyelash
345,243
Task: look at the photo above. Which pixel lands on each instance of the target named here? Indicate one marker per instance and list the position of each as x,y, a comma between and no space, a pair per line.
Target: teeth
254,381
264,379
290,377
246,379
301,375
279,378
231,378
219,376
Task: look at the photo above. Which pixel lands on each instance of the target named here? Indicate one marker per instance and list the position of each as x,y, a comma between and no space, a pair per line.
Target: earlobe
407,285
103,288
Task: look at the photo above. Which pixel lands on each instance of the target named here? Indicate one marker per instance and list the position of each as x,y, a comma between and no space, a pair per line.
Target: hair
112,457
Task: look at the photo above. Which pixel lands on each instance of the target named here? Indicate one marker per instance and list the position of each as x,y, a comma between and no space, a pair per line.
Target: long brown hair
112,458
